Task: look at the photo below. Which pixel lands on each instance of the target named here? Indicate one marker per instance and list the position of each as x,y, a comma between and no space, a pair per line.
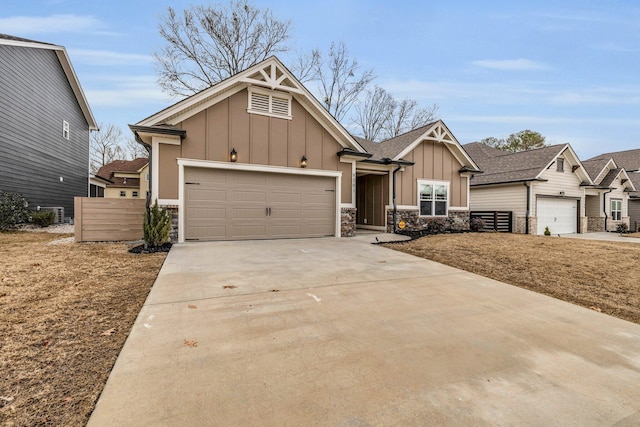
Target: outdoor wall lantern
234,155
303,162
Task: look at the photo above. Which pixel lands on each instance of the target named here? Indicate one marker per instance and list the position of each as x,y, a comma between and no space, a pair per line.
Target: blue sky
567,69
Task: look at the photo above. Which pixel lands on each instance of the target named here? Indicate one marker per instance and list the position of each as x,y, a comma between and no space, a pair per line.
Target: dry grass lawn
599,275
65,312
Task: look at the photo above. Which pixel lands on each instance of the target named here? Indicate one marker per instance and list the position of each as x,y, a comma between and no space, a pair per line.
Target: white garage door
560,215
240,205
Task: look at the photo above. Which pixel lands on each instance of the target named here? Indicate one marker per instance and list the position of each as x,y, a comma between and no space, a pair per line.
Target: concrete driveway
339,332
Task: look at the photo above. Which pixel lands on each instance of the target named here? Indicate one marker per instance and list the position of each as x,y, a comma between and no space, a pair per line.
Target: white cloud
125,91
49,24
106,57
510,64
598,96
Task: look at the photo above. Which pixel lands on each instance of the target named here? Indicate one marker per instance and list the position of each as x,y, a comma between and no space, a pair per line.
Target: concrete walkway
337,332
609,237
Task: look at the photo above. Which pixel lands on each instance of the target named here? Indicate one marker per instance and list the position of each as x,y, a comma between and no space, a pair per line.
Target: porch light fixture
233,156
303,162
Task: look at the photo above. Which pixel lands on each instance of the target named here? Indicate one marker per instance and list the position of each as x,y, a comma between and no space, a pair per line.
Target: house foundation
412,221
348,222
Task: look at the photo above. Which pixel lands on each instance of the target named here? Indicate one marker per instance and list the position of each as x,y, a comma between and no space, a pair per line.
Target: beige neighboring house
126,179
607,202
256,156
630,161
542,188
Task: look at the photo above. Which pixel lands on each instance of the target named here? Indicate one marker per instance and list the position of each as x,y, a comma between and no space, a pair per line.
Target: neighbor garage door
560,215
239,205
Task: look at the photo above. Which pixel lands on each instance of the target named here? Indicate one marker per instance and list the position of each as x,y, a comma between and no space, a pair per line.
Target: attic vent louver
269,103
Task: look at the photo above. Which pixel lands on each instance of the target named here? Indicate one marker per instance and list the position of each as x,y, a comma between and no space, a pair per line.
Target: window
616,209
146,177
433,198
65,129
270,103
123,193
134,194
560,165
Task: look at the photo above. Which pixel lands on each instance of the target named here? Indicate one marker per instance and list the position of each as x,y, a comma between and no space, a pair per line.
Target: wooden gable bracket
439,133
575,168
274,78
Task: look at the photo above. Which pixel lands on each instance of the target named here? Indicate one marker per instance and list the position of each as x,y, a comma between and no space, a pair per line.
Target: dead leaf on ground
36,264
598,309
191,343
192,306
109,332
275,290
66,400
229,286
6,279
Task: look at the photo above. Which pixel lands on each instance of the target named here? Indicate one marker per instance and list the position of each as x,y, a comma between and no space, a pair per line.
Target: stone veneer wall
613,225
595,223
173,234
348,222
456,221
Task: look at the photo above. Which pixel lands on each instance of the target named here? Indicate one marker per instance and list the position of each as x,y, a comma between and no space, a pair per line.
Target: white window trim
66,132
123,193
616,201
271,94
427,182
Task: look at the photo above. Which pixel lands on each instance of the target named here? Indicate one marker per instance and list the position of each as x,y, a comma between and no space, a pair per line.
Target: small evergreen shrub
157,226
13,210
436,226
43,218
622,228
476,224
547,232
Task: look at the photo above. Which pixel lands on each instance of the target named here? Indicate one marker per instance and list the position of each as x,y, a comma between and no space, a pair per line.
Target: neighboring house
257,156
97,185
125,178
628,160
45,122
543,188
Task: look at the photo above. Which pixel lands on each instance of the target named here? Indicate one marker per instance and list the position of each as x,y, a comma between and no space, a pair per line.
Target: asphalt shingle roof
20,39
629,160
502,167
130,166
391,147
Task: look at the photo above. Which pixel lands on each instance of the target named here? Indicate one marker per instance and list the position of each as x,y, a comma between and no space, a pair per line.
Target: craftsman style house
45,122
257,157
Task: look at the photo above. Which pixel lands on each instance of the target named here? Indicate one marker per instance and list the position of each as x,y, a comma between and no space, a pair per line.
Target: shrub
622,228
43,218
157,226
547,232
13,210
476,224
436,226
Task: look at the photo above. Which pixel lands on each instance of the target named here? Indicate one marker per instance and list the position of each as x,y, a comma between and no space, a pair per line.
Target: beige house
542,188
257,157
607,202
126,179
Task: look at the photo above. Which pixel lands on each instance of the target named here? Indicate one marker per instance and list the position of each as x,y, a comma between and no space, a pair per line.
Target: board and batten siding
509,197
556,182
35,98
258,139
432,161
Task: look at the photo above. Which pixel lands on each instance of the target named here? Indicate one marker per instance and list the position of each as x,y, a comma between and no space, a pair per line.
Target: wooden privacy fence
495,220
100,219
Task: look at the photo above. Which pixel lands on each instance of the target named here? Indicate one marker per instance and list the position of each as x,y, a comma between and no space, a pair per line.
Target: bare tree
207,44
105,146
380,116
406,116
373,113
133,150
339,86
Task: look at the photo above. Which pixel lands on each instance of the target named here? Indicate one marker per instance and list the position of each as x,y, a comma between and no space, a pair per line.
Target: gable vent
269,103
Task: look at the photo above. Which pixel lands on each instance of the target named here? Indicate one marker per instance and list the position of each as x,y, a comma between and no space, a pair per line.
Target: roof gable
65,63
125,166
270,74
628,159
524,166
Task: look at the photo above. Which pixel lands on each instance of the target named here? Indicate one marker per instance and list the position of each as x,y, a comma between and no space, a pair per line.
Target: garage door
239,205
560,215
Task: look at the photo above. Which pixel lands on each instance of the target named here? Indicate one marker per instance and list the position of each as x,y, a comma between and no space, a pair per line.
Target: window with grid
616,210
433,198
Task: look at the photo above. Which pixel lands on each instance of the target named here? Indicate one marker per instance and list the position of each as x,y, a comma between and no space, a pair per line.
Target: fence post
77,220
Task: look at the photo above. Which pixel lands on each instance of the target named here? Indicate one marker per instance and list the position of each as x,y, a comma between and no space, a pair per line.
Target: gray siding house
45,122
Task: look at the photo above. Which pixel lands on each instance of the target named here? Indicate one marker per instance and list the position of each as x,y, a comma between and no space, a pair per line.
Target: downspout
395,210
526,218
604,207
